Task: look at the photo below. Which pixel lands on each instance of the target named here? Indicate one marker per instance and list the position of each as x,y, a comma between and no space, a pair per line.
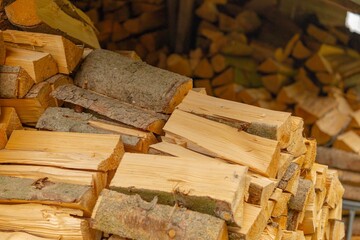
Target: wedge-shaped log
150,220
112,108
260,188
22,190
253,226
10,119
38,65
210,187
66,54
45,221
254,120
131,81
30,108
67,120
15,82
106,150
348,141
38,16
259,154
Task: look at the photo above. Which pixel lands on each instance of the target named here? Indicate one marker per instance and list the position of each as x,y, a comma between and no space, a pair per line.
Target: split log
274,82
330,126
310,155
22,217
67,120
204,83
96,179
300,51
186,127
2,49
348,141
38,16
321,35
355,119
218,63
313,108
297,146
178,64
97,73
334,189
65,53
226,77
330,156
255,223
150,220
10,119
112,108
260,188
205,193
39,66
15,82
118,32
208,11
155,40
264,123
204,69
146,21
30,108
44,191
106,150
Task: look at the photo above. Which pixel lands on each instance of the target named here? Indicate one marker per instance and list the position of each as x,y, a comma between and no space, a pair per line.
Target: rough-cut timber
330,156
210,187
43,191
106,148
132,217
131,81
39,16
67,120
259,154
45,221
254,120
66,54
15,82
114,109
38,65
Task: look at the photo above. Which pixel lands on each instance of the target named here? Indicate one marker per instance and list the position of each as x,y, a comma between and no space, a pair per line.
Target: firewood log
112,108
38,17
152,220
100,64
10,119
15,82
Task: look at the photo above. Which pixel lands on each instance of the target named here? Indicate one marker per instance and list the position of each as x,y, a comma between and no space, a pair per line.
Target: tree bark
23,190
15,82
132,217
131,81
112,108
67,120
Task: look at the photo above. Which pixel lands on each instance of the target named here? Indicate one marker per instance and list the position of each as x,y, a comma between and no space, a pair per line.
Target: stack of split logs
138,25
224,170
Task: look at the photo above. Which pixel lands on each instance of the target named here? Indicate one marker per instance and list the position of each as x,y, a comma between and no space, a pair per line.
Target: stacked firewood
138,25
224,170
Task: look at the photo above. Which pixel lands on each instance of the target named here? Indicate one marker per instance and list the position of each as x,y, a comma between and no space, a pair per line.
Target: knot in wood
171,233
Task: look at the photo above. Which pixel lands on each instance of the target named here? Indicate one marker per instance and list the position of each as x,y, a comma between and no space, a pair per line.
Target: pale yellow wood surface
259,154
196,177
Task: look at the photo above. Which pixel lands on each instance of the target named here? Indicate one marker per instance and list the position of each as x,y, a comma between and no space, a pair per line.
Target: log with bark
199,191
151,220
111,108
130,81
67,120
15,82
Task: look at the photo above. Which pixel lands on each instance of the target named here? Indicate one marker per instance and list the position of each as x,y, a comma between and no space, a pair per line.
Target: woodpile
140,26
196,167
233,162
